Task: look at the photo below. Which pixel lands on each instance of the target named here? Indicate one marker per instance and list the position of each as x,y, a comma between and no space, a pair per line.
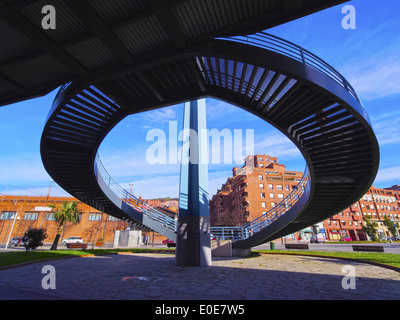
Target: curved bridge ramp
287,86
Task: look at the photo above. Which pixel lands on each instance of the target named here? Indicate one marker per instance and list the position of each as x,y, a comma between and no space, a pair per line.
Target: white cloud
375,76
163,114
277,145
386,127
391,174
155,187
22,169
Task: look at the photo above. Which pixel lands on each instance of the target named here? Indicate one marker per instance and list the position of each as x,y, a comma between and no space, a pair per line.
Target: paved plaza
154,276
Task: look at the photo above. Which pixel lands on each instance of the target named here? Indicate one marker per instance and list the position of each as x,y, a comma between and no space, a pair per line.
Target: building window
31,216
261,186
111,218
272,195
262,194
94,216
50,217
7,215
260,177
287,187
271,186
279,187
263,204
280,195
272,204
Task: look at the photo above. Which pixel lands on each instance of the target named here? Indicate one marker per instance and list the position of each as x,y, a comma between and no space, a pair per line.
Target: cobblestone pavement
156,277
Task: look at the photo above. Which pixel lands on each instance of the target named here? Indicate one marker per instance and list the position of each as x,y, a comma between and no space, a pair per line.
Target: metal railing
256,225
233,233
133,201
289,49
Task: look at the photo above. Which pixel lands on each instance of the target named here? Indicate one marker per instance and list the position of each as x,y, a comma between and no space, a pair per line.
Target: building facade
262,183
254,189
35,212
376,204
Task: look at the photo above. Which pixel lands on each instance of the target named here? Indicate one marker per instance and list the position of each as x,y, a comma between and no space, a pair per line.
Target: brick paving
153,276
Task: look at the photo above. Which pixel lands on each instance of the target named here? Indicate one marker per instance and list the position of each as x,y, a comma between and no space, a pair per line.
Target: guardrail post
302,56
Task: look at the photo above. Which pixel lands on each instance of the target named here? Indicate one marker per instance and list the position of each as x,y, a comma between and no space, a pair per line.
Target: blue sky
368,56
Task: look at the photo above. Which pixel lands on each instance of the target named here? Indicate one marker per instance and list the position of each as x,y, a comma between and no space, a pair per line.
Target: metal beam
31,31
86,14
169,22
12,85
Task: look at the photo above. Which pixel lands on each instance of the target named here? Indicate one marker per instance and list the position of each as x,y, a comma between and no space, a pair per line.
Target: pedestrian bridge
285,85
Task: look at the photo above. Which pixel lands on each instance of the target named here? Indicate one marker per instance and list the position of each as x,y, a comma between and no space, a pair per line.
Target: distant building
262,183
375,204
35,212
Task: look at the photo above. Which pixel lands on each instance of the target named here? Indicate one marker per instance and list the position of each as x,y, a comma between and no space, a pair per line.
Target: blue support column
193,234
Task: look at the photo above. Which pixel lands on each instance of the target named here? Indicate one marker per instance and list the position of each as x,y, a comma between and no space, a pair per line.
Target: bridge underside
117,58
322,118
93,39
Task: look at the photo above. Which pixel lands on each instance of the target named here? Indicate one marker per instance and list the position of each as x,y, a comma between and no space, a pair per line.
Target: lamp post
15,217
48,193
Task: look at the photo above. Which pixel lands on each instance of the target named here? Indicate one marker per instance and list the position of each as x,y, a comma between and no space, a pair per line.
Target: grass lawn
377,257
13,258
18,257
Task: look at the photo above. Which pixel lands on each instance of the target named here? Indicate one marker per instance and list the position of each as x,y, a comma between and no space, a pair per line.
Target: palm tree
67,212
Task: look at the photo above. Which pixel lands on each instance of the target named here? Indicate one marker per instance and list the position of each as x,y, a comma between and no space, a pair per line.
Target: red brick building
255,188
262,183
35,212
376,204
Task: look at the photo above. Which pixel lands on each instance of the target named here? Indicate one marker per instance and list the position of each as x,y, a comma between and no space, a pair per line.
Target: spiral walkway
283,84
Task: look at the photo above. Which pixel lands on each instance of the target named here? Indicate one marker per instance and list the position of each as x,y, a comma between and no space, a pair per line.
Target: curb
80,256
397,269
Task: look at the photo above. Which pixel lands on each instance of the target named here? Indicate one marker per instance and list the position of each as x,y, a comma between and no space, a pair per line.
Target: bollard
272,245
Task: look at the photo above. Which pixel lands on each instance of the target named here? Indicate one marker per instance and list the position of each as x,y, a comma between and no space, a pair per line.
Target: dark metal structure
123,57
97,39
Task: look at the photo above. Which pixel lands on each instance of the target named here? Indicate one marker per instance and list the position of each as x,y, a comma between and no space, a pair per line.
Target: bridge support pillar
193,234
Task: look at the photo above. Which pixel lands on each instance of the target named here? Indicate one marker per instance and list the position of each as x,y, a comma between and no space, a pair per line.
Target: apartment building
263,182
253,189
376,204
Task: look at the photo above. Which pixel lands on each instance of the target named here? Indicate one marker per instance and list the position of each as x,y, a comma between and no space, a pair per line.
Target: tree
370,228
391,226
67,212
91,233
35,237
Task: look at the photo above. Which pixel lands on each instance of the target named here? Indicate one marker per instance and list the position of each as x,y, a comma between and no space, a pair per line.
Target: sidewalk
156,277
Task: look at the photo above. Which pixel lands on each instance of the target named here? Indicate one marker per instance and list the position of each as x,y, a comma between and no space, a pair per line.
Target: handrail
132,200
246,231
289,49
234,233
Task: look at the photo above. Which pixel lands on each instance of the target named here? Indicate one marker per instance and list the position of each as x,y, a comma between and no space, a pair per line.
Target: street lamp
48,193
15,217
